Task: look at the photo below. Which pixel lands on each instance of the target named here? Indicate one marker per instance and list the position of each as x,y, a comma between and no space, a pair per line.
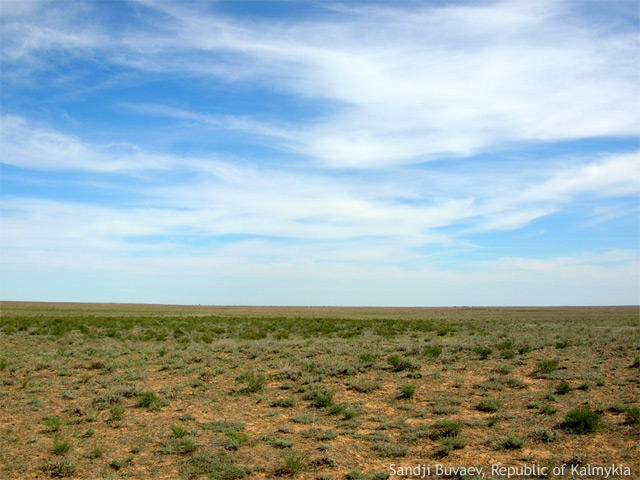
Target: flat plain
92,391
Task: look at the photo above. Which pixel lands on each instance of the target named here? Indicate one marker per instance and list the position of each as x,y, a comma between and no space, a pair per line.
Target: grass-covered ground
146,391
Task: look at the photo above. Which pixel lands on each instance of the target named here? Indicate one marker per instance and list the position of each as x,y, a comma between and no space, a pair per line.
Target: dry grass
151,391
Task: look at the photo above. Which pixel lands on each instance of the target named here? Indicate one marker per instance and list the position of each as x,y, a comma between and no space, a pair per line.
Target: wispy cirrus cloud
407,84
410,206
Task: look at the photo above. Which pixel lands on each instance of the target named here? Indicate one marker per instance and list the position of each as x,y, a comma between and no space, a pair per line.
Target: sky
320,153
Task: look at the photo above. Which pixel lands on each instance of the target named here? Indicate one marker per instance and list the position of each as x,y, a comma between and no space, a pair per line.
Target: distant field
92,391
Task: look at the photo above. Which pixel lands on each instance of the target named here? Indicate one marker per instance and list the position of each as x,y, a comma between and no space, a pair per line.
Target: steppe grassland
148,391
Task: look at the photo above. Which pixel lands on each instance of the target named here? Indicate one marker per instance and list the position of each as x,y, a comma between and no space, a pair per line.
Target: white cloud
407,84
229,197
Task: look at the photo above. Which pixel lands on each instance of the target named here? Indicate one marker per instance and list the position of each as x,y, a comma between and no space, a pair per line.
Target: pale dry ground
76,362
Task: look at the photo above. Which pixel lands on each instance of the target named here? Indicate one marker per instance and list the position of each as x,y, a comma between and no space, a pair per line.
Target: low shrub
483,352
547,366
220,466
489,405
59,468
563,388
407,391
399,364
581,420
293,462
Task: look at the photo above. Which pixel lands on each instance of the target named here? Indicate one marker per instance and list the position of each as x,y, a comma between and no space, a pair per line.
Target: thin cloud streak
408,85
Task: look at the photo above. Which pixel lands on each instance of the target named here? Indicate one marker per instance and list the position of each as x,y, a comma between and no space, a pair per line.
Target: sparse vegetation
117,392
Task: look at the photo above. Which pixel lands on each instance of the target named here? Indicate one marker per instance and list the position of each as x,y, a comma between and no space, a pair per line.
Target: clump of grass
501,382
222,425
507,349
347,410
448,444
547,409
444,428
432,352
525,348
283,402
181,446
489,405
235,439
399,363
505,345
96,452
150,401
545,435
512,443
407,391
61,447
105,401
503,369
581,420
293,462
120,463
320,398
632,415
255,383
367,358
303,418
390,449
53,424
443,409
355,475
636,363
63,467
380,476
413,434
363,385
483,352
563,388
618,408
547,366
217,467
560,344
277,442
116,414
178,431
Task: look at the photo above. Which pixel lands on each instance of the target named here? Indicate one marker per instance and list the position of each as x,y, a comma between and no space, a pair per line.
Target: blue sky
320,153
